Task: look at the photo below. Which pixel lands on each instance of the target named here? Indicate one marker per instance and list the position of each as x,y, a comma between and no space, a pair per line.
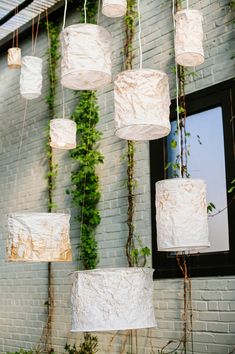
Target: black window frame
206,264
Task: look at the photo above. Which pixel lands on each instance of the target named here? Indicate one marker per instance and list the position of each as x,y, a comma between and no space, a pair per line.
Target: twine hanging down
14,53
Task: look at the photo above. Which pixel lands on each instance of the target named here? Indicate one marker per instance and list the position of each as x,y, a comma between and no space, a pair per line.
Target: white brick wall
23,287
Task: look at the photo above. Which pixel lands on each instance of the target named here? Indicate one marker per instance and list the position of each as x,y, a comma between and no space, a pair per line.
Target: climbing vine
86,193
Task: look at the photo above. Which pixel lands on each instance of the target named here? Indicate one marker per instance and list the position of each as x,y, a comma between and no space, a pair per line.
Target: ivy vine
86,193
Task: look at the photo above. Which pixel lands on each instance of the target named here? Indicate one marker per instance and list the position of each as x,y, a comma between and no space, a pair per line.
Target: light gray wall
23,287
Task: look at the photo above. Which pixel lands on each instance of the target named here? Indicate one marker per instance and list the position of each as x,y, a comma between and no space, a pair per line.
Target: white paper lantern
142,103
112,299
181,215
114,8
14,58
31,77
38,237
63,133
189,38
86,57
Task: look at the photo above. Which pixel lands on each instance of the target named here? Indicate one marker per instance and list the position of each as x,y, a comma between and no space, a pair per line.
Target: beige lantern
38,237
112,299
86,57
14,58
63,133
181,215
31,77
114,8
142,103
189,38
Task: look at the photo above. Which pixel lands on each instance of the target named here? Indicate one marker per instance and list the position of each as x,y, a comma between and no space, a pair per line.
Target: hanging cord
17,30
85,11
36,35
177,100
98,13
65,13
139,35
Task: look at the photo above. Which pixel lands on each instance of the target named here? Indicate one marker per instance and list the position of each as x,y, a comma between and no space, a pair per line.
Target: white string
139,35
177,97
63,103
187,4
85,10
98,13
65,12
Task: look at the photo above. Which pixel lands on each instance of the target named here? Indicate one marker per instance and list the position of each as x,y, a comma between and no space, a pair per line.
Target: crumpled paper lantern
114,8
181,215
14,58
112,299
38,237
86,57
142,103
31,77
189,38
63,133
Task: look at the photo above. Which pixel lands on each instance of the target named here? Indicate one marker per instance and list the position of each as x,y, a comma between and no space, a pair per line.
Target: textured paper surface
63,133
38,237
31,77
181,215
189,38
142,103
86,57
114,8
14,58
112,299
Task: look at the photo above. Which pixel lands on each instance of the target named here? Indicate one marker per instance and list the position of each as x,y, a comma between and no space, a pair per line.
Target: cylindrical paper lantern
142,103
63,133
31,77
189,38
14,58
181,215
86,57
112,299
38,237
114,8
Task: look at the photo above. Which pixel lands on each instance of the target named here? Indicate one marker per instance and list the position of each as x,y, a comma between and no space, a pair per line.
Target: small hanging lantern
189,38
63,133
38,237
181,215
112,299
14,58
114,8
142,103
31,77
86,57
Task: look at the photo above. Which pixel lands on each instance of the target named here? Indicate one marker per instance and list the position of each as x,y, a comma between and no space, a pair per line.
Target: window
211,126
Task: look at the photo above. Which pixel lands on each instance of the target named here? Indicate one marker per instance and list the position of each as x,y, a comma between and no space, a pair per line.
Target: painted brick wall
23,287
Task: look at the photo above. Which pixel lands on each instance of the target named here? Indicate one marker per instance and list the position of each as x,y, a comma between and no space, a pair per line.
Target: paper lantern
114,8
188,38
181,215
86,57
38,237
112,299
14,58
31,77
142,103
63,134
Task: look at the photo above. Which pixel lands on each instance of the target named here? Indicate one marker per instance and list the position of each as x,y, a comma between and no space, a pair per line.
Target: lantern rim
143,70
120,132
14,66
183,179
113,269
37,213
87,25
195,59
119,13
67,147
194,11
188,248
106,76
32,57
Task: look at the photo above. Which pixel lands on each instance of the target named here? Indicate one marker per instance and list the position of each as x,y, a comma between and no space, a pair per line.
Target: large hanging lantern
112,299
63,133
86,57
31,77
14,58
189,38
142,103
181,215
38,237
114,8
